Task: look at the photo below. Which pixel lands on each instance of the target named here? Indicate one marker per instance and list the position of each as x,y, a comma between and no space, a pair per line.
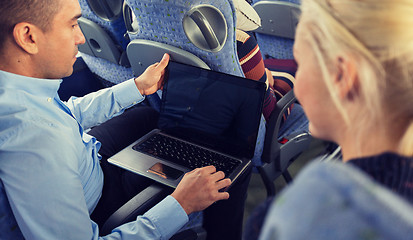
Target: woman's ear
346,80
26,37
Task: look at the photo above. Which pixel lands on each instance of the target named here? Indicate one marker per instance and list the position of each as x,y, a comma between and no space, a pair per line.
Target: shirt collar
35,86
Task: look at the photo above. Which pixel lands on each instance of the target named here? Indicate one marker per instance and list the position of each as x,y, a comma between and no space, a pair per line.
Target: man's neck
18,65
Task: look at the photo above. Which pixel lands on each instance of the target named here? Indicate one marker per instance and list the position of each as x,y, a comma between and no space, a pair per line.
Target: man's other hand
151,80
200,188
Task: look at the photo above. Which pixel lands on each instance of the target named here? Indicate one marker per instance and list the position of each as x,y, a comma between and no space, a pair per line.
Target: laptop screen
215,110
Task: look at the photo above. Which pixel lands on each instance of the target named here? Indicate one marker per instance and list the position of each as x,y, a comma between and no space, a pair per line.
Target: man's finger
222,196
164,62
224,183
218,176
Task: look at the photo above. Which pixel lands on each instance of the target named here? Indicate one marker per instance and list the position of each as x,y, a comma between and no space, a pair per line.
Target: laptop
206,118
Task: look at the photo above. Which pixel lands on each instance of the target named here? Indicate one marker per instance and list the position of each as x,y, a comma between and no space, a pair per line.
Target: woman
355,83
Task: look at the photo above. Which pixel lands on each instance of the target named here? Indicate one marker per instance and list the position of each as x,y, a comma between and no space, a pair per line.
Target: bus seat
209,41
283,144
158,26
197,33
201,28
279,20
105,49
191,32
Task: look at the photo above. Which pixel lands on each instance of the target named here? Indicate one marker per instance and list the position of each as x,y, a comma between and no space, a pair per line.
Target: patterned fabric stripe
269,103
250,55
283,84
242,36
283,71
254,68
281,65
288,77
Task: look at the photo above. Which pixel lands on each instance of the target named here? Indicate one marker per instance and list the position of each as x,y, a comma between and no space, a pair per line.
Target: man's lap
115,134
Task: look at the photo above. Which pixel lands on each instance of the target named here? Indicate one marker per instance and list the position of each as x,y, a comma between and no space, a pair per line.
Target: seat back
279,20
202,30
199,33
105,49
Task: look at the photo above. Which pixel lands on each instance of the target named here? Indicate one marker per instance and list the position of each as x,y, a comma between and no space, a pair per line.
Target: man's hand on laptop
199,188
151,80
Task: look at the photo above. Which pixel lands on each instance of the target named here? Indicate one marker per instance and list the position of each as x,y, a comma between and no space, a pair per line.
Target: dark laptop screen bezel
204,139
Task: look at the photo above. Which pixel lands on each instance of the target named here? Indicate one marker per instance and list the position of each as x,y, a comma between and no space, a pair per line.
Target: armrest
271,145
282,153
278,156
138,205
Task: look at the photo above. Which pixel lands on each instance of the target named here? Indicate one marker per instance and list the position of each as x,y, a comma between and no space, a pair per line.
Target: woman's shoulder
333,200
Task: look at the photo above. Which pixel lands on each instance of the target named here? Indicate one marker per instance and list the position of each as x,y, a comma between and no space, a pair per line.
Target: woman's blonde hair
377,33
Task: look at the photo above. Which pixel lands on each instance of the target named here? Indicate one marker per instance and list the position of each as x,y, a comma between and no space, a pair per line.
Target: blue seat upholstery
109,71
279,20
162,21
159,26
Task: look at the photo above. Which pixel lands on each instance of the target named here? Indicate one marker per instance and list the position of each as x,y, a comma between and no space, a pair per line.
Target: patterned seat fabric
161,21
110,73
273,46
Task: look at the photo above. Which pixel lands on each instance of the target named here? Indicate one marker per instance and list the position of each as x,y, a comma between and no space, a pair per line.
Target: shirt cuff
168,216
127,94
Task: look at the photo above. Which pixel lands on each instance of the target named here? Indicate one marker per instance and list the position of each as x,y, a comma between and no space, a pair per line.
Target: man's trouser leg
120,185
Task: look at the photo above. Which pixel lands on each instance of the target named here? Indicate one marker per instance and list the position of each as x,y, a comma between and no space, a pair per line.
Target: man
51,178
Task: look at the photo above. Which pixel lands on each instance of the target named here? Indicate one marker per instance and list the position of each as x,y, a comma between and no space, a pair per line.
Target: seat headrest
106,9
205,28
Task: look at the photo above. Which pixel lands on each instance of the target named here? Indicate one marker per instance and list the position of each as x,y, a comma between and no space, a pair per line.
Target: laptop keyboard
185,154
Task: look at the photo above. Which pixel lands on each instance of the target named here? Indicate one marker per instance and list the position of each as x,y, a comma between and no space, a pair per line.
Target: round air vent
206,28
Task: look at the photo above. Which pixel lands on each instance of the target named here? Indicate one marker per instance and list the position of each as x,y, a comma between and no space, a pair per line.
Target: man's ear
26,36
346,80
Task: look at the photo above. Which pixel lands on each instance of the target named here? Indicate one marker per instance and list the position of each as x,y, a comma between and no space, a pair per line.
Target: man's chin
68,73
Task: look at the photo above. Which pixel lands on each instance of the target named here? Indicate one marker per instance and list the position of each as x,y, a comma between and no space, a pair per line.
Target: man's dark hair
37,12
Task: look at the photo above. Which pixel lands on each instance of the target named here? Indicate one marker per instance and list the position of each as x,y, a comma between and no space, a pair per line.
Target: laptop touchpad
165,171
